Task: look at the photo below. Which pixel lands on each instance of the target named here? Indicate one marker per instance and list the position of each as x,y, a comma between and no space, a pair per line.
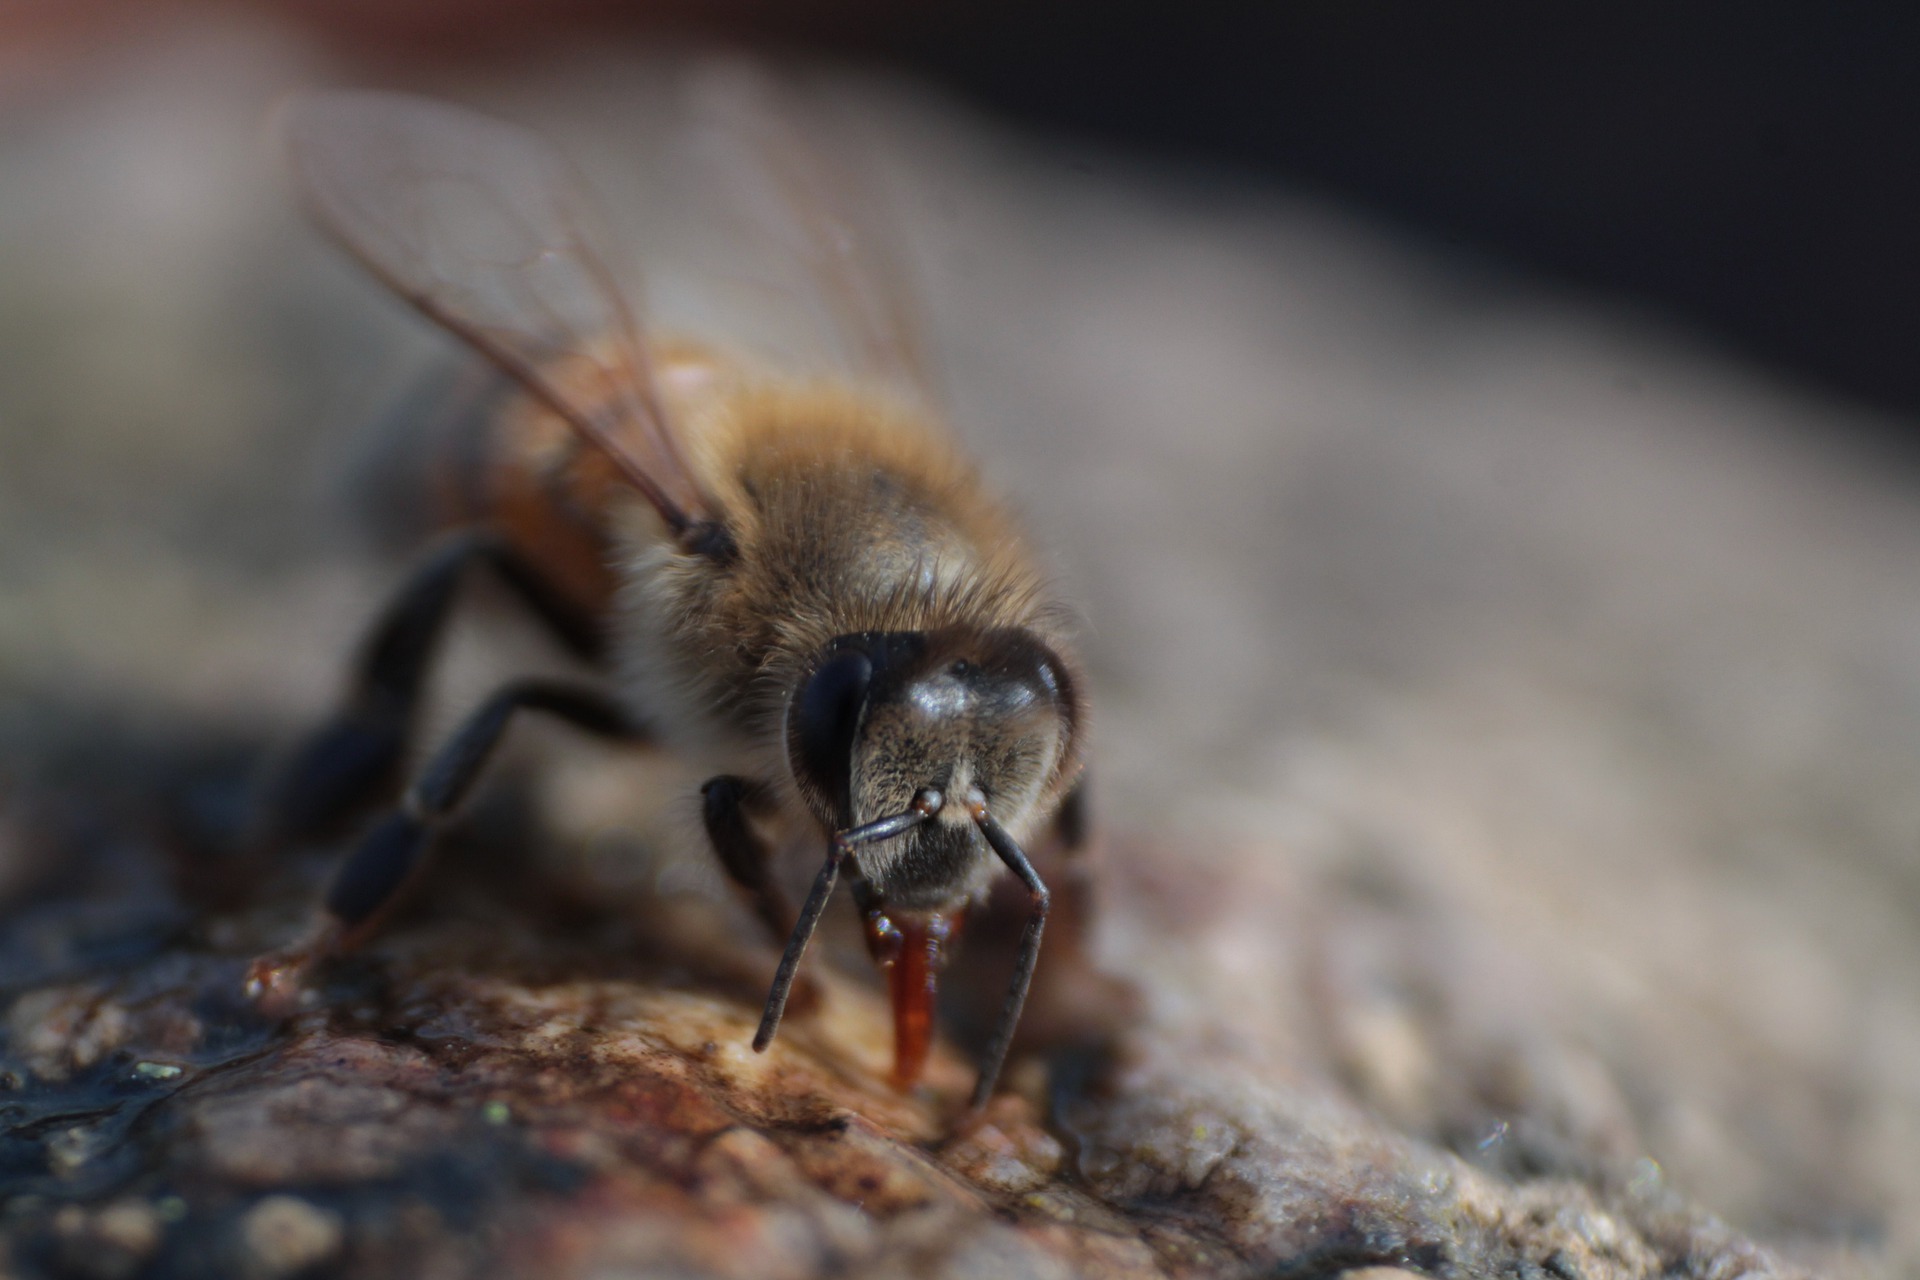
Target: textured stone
283,1235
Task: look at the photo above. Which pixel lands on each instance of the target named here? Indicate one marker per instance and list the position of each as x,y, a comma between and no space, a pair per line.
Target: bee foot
276,982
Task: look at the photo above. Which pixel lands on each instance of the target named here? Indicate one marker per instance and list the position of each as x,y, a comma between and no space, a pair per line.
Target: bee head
886,716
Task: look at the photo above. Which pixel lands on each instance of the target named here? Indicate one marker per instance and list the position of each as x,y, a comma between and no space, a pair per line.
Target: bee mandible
802,581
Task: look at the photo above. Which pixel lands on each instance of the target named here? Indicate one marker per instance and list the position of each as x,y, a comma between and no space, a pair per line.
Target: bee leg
727,803
1073,909
393,853
1040,900
1073,1005
354,761
1070,821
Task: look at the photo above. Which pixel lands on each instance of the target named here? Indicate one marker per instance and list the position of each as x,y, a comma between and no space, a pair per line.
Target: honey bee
802,581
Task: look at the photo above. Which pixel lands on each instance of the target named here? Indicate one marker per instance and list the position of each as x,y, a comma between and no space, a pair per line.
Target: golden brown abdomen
531,481
526,474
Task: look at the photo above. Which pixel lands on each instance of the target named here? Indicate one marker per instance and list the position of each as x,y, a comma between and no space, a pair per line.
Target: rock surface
557,1094
1507,718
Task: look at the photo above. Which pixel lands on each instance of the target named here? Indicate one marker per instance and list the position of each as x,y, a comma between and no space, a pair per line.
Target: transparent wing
816,210
484,228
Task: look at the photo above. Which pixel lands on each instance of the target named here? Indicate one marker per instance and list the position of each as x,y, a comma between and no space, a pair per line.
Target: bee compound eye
828,717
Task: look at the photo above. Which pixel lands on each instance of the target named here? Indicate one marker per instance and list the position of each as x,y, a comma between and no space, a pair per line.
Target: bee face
886,718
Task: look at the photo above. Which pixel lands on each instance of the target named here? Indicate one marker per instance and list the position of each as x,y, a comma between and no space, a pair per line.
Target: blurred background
1482,445
1745,169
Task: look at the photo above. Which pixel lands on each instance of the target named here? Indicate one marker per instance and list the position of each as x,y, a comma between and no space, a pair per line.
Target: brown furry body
851,514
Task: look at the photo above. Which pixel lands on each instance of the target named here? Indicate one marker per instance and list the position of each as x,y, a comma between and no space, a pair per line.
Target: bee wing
815,209
485,228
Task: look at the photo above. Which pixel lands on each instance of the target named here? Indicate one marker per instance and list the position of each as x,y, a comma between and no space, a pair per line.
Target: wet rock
111,1242
487,1086
283,1235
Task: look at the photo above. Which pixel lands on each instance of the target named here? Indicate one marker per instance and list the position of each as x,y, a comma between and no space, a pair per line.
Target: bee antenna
839,849
1016,859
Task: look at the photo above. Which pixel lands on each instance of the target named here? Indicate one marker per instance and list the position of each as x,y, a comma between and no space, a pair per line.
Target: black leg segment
354,761
396,848
728,804
1070,822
